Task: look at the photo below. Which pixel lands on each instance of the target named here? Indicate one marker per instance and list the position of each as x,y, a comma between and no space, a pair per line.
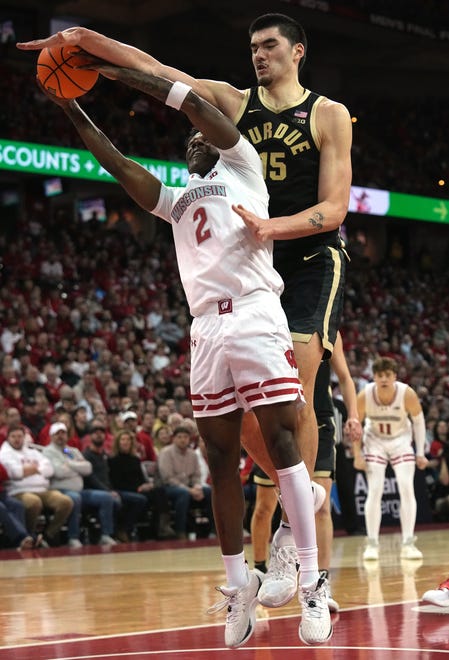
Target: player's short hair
385,364
288,28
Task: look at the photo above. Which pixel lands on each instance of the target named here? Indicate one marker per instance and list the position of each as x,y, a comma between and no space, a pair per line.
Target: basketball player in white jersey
241,348
393,419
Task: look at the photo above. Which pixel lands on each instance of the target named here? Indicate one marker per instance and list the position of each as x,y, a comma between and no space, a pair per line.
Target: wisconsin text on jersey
292,138
193,195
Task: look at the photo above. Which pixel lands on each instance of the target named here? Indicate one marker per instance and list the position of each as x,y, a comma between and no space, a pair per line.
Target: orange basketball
56,72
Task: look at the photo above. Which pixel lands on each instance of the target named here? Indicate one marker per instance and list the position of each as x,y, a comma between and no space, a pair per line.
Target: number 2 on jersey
202,233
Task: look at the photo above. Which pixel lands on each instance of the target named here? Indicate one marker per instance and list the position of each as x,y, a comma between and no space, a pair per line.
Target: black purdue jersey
285,142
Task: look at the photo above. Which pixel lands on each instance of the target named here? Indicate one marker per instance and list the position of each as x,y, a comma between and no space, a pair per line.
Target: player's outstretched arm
222,95
140,184
210,121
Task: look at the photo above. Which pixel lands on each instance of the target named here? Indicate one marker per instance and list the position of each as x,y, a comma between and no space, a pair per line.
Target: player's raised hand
259,227
70,36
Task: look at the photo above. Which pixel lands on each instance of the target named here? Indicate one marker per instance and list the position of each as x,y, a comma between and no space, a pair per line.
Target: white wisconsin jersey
218,258
383,421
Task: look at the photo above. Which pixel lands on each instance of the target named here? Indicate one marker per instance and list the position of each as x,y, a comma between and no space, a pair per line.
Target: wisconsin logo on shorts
291,359
225,306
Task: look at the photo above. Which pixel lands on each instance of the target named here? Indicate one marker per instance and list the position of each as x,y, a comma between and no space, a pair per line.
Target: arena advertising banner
390,500
77,163
398,205
80,164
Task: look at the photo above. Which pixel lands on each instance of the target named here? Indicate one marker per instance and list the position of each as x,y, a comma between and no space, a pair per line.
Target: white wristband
177,94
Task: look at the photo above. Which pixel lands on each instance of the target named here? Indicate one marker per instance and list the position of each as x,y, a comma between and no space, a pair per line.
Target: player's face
201,155
274,57
385,379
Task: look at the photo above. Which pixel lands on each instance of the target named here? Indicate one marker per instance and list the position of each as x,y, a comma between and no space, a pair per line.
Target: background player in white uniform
391,410
242,354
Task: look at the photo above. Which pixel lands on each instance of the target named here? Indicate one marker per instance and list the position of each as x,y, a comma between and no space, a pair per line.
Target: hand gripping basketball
56,70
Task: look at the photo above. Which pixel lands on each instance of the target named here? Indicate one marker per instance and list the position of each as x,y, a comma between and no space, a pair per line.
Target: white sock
236,570
297,498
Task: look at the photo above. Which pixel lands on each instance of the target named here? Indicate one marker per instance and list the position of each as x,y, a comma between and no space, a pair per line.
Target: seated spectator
169,331
30,382
440,441
31,418
13,394
69,469
67,419
52,382
98,431
145,438
80,421
12,517
181,476
67,402
442,489
29,473
173,420
95,453
44,409
128,478
162,438
13,418
162,413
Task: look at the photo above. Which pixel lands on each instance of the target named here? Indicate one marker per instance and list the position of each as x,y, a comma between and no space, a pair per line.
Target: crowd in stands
99,342
411,156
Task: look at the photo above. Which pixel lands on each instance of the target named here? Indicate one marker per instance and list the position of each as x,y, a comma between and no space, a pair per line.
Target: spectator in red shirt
145,438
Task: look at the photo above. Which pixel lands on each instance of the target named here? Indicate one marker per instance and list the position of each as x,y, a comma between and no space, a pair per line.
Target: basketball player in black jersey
304,141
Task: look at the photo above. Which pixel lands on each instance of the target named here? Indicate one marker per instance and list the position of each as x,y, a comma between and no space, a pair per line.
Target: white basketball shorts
242,356
384,451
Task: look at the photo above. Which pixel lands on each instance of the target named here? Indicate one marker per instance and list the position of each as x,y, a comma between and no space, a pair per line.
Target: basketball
57,73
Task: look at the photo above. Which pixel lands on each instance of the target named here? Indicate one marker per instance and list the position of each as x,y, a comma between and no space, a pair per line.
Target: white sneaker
105,539
319,495
280,582
241,606
74,543
410,551
438,596
331,602
315,626
371,552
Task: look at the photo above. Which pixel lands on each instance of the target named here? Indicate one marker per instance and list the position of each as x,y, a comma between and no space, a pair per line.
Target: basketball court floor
149,600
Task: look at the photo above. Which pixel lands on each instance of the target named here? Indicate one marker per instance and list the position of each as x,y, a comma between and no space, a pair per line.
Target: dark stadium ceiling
338,32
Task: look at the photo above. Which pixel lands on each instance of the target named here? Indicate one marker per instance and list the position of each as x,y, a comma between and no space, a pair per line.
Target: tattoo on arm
153,85
317,220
